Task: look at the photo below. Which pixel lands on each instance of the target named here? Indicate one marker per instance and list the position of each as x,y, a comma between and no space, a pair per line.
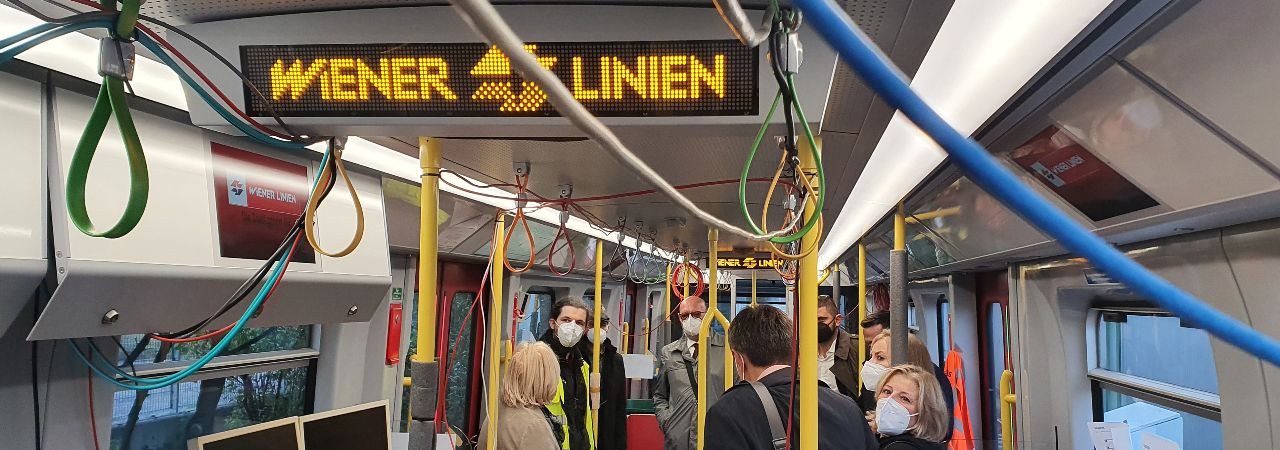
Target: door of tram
992,289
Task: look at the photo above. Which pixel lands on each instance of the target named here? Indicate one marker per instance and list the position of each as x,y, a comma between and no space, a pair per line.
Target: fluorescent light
76,54
391,162
984,52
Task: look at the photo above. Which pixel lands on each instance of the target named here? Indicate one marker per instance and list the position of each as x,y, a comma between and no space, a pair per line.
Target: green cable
746,168
111,101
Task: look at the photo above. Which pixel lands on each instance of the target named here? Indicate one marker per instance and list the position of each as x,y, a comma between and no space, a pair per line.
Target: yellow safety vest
556,407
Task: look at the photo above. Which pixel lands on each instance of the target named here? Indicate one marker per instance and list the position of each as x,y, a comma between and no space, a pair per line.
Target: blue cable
875,69
156,383
245,128
49,33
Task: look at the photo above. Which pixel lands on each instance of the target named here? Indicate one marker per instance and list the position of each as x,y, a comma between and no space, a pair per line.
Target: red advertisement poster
258,199
1079,177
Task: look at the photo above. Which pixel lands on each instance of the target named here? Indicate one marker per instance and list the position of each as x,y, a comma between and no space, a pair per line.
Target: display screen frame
469,67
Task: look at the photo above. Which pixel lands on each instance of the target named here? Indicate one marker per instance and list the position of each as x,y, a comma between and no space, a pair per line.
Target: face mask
871,373
691,325
569,334
826,332
892,418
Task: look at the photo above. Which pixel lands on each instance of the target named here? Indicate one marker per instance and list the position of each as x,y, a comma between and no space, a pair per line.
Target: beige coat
520,429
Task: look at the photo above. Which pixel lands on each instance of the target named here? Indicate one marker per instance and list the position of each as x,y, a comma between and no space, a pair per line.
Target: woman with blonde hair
531,379
910,413
877,366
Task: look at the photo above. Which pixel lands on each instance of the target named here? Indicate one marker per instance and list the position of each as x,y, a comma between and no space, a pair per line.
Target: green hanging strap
111,101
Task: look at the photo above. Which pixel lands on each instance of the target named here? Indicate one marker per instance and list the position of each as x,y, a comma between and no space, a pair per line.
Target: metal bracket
116,58
521,168
566,190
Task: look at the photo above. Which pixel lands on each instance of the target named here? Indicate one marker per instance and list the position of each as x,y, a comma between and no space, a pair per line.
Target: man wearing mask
754,414
613,388
837,350
675,389
570,405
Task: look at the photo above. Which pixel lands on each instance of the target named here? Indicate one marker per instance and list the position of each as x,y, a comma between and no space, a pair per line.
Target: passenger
837,350
675,389
613,389
911,414
570,405
760,338
530,382
874,324
917,354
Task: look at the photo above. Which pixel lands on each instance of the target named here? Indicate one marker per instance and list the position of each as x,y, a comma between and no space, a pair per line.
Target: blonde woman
910,413
877,365
532,376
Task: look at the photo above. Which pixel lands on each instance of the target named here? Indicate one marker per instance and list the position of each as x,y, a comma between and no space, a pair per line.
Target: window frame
1178,398
233,365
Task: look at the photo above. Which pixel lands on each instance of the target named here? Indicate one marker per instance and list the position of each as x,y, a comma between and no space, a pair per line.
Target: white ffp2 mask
569,334
892,418
690,326
871,374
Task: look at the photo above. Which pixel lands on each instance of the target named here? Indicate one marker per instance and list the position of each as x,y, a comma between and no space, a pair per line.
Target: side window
1157,373
273,382
944,326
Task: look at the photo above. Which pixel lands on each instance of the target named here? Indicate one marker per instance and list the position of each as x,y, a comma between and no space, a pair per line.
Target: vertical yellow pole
666,297
1007,400
713,295
626,337
753,288
595,346
862,305
900,229
496,278
807,310
428,250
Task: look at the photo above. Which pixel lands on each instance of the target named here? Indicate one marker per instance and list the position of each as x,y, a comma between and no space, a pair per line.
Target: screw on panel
353,310
110,317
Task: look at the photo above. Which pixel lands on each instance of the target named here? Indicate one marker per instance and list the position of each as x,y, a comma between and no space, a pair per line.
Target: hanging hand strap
313,204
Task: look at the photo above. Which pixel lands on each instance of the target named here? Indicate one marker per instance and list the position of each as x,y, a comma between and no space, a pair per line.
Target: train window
995,364
1158,374
1155,347
944,326
912,321
169,416
538,306
461,336
251,340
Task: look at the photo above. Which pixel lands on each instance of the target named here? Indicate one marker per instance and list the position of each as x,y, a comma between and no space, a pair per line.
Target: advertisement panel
257,199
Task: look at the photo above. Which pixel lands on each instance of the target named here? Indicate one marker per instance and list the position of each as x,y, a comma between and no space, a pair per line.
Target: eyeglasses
692,314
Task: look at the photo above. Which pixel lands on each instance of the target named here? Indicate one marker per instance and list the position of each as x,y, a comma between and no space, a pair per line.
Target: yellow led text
653,77
351,79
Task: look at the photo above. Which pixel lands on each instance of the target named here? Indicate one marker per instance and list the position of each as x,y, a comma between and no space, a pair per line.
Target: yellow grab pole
595,345
807,312
862,305
704,333
666,298
496,277
753,288
1007,400
900,229
626,337
428,250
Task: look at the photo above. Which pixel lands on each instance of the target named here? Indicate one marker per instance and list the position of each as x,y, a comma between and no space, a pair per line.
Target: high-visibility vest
962,430
556,408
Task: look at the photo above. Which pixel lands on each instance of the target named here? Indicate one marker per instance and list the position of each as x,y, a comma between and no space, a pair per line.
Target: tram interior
436,198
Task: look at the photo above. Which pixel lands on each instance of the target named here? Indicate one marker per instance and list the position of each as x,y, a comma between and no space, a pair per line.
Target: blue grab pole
880,74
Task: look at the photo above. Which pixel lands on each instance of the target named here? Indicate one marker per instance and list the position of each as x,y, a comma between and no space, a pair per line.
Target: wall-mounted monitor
282,434
359,427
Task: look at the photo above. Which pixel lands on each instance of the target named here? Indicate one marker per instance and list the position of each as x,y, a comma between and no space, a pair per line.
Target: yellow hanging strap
326,174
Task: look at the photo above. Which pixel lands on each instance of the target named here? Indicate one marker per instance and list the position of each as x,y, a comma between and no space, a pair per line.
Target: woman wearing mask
874,370
910,414
530,382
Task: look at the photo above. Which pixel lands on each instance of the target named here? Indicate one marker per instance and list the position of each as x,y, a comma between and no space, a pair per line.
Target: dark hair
877,318
825,301
572,302
763,334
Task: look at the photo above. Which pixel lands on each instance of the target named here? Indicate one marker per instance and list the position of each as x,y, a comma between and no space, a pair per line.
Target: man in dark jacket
612,434
570,406
837,350
760,338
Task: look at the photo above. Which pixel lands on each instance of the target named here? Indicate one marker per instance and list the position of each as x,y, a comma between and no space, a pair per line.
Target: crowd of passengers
546,387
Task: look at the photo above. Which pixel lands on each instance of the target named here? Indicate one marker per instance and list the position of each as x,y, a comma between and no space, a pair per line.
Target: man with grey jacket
675,389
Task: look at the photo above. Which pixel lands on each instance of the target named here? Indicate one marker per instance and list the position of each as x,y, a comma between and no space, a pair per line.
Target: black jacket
867,399
846,366
575,390
738,422
613,396
908,442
